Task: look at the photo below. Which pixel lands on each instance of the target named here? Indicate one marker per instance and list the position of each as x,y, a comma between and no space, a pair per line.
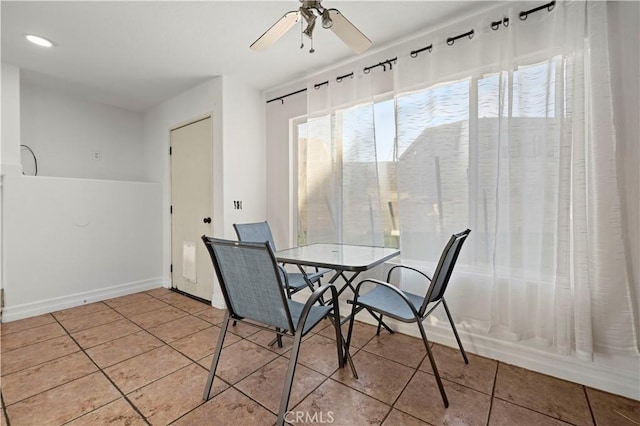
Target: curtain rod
382,64
414,53
281,98
549,6
452,40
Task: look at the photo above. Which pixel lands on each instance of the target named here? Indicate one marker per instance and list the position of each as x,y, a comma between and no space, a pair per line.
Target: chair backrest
443,271
250,281
257,232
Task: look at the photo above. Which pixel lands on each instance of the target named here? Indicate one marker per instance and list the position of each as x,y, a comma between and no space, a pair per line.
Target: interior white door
191,207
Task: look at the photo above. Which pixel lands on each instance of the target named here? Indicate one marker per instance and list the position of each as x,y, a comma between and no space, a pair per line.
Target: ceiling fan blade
276,31
348,32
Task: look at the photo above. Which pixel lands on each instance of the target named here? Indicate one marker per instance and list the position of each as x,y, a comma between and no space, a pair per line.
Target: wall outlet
95,155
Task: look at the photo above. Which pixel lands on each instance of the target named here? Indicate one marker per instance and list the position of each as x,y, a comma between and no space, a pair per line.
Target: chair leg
347,344
380,322
278,338
433,364
379,325
455,332
339,341
286,390
216,357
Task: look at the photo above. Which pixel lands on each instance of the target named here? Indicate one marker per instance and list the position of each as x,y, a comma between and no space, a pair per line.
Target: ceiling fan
311,10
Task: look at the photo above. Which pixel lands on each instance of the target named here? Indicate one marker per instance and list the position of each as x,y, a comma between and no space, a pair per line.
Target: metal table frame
341,258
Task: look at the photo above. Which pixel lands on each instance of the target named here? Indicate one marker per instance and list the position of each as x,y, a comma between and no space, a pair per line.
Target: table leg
348,282
347,354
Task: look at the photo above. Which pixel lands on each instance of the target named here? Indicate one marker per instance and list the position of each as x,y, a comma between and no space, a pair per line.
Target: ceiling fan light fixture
326,20
308,16
38,40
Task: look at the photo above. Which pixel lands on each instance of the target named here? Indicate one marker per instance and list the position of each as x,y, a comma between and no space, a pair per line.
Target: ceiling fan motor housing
311,4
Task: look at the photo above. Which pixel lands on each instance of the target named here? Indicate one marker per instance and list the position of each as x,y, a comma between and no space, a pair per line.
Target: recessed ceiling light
40,41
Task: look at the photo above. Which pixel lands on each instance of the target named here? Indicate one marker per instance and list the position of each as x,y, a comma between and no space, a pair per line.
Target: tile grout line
136,409
107,377
44,362
324,380
8,333
522,406
164,343
146,331
493,392
586,395
393,405
195,362
99,369
233,385
280,355
5,415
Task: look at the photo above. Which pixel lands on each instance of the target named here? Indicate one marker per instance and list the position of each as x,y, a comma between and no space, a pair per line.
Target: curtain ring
495,25
523,16
505,22
450,41
282,100
551,6
366,70
471,34
413,54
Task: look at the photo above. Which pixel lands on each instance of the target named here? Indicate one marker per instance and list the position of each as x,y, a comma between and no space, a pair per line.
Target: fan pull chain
301,39
312,49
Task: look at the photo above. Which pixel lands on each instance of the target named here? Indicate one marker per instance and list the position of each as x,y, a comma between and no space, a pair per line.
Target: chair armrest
396,290
406,267
285,277
315,296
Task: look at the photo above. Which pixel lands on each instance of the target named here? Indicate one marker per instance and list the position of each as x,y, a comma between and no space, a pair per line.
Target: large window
347,188
434,161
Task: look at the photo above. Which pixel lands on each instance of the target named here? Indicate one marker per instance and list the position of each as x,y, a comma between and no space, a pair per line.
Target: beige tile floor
143,359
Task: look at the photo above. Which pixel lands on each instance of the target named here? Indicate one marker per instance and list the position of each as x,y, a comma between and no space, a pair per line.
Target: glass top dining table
339,257
343,257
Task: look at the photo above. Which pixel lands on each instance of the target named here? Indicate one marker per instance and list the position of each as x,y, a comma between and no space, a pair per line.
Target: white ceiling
137,54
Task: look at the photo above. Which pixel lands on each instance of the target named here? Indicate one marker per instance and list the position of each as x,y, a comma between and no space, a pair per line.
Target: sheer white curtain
339,191
510,133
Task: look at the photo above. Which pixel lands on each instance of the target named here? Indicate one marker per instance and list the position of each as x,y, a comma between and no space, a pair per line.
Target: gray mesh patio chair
251,285
259,232
386,299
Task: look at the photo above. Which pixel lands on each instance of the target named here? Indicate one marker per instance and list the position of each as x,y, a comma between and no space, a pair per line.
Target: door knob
207,220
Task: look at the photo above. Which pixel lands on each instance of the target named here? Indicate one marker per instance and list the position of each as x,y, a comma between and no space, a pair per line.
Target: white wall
74,241
10,132
238,154
280,163
64,131
244,151
66,242
10,143
196,103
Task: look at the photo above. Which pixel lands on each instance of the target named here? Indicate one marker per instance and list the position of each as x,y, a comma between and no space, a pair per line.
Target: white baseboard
218,301
12,313
618,374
